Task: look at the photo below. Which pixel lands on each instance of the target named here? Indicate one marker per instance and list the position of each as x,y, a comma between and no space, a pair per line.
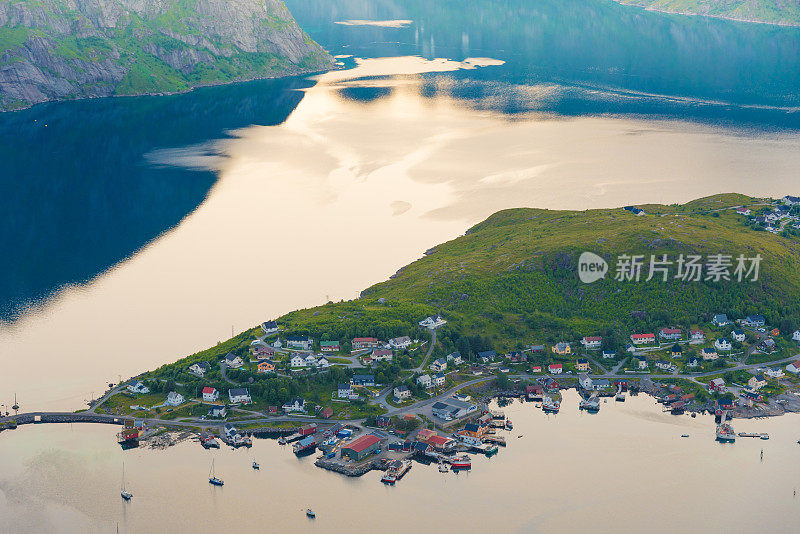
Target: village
439,410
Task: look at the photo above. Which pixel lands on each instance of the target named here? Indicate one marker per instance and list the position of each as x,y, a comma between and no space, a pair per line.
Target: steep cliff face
784,12
66,49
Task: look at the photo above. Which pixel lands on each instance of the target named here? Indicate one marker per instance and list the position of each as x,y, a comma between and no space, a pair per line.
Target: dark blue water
78,194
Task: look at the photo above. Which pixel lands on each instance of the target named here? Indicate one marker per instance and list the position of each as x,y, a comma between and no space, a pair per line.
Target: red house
640,339
555,368
307,430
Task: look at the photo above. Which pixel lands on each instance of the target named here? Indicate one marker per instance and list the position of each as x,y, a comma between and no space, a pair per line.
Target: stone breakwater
348,470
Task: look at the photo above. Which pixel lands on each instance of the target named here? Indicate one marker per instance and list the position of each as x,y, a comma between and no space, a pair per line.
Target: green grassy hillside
782,12
512,279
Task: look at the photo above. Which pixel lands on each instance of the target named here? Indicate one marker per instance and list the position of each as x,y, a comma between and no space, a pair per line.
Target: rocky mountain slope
785,12
67,49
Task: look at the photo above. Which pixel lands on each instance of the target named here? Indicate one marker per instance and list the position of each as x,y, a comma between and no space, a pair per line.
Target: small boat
126,495
389,477
509,425
281,441
212,477
765,436
461,462
444,469
256,466
725,433
684,435
310,513
491,450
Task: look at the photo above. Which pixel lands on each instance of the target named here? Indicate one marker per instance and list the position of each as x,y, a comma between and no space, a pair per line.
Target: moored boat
256,465
461,462
725,433
551,405
126,495
310,513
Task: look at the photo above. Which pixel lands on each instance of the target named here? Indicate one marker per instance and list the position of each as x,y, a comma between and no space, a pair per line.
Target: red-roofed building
670,334
210,394
361,447
555,368
592,342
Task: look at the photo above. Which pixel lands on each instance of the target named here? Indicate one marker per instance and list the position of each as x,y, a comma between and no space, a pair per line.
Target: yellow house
582,365
562,349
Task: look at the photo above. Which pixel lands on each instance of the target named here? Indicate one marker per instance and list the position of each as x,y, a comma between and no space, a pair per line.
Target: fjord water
625,469
139,230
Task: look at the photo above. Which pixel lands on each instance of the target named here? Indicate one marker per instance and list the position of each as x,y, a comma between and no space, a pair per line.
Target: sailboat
256,465
212,477
123,492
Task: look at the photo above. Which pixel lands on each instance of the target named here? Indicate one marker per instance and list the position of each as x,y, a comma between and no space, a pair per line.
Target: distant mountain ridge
784,12
68,49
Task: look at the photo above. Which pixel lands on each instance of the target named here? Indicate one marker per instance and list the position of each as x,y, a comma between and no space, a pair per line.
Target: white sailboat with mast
126,495
212,477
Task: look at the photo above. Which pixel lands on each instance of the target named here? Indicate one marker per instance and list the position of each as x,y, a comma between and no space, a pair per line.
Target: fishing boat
764,436
491,450
310,513
212,477
684,435
256,465
620,397
592,404
725,433
126,495
281,441
509,425
444,469
551,405
461,462
389,477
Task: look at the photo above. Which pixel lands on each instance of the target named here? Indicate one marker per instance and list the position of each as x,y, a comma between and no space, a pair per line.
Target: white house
794,367
439,365
693,362
239,396
641,362
425,381
723,344
198,368
269,327
218,411
297,360
399,343
295,405
585,381
709,354
592,342
757,382
210,394
661,364
344,391
438,379
697,335
774,373
174,399
555,368
738,335
322,362
796,335
138,387
609,354
233,361
299,342
455,358
743,211
433,322
754,321
402,393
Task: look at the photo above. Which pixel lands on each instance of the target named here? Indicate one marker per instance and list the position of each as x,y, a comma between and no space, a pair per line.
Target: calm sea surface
138,230
625,469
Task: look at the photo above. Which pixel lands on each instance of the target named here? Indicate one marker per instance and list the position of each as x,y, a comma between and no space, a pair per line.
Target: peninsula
696,304
62,50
